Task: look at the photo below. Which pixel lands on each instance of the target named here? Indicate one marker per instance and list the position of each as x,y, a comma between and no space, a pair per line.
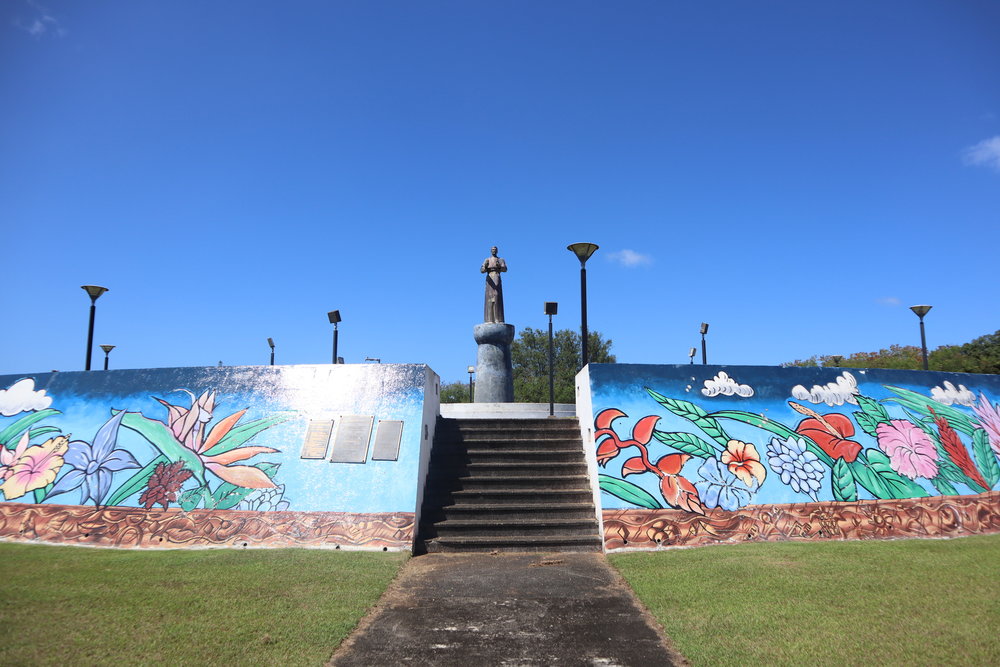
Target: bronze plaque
350,445
387,438
317,439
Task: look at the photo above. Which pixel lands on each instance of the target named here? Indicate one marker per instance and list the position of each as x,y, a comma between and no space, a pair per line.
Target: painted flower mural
864,451
32,468
92,466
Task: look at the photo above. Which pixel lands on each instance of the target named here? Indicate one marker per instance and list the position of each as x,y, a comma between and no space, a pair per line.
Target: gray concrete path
507,609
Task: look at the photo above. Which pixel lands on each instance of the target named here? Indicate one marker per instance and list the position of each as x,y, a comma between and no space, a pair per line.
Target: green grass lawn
913,602
79,606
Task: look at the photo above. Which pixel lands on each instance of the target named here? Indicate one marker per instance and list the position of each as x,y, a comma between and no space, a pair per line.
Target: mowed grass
907,602
80,606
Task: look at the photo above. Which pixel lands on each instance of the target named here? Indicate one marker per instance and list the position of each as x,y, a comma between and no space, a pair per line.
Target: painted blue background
303,393
622,386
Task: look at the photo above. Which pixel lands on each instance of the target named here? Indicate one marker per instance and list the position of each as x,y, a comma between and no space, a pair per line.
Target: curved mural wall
691,455
239,456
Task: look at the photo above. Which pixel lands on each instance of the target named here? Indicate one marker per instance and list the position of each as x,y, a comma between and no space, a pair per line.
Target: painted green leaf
777,428
687,443
844,486
873,409
892,483
943,486
694,414
986,460
911,399
228,495
163,439
10,435
191,498
951,472
135,483
628,492
42,430
866,422
241,434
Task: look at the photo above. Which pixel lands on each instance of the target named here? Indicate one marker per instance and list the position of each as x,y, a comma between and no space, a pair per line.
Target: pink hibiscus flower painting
911,452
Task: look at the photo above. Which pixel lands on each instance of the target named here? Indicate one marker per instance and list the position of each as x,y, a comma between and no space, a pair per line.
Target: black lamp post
583,251
334,316
920,311
107,350
704,355
471,369
551,308
93,291
270,342
693,351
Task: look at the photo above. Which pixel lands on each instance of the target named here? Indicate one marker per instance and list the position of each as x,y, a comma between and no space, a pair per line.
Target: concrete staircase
508,485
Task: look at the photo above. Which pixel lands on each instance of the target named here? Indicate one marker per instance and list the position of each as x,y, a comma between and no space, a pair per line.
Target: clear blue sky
795,173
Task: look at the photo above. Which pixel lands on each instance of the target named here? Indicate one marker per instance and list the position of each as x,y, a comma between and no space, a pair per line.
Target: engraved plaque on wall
387,438
350,445
317,439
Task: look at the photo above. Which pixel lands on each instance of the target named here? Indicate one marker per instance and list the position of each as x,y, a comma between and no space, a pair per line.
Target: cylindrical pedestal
494,371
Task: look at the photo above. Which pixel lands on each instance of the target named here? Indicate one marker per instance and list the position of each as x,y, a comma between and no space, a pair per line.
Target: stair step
508,528
498,511
521,543
522,496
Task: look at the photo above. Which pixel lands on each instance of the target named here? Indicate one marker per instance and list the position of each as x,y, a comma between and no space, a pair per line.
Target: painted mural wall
692,455
232,456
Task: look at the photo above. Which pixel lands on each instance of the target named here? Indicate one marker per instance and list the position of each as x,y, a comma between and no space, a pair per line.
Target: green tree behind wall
530,357
981,355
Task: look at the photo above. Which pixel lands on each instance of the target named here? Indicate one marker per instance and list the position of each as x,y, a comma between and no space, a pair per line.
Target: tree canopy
455,392
530,357
981,355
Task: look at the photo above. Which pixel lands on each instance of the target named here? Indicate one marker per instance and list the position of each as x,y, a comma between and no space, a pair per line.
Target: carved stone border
172,528
939,516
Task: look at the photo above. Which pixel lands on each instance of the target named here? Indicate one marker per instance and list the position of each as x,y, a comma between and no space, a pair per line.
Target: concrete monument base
494,371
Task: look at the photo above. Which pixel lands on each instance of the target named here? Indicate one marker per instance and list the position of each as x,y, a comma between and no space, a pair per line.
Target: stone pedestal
494,372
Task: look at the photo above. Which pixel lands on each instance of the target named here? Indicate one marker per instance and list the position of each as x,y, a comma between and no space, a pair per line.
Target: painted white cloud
726,386
630,258
984,154
843,390
950,395
22,397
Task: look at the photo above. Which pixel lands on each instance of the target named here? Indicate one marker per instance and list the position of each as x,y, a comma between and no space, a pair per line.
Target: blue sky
795,174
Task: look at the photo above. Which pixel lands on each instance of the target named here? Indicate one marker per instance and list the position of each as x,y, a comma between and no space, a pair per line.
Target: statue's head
493,251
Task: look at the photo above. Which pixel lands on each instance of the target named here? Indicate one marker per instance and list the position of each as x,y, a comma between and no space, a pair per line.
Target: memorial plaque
387,438
317,439
350,445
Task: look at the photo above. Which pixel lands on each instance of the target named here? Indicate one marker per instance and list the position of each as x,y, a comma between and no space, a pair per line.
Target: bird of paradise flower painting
198,459
904,446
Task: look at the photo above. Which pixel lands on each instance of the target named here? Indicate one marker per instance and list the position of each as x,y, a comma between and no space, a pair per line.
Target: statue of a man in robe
493,266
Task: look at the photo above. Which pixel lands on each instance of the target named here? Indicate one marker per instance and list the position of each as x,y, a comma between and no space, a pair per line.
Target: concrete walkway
507,609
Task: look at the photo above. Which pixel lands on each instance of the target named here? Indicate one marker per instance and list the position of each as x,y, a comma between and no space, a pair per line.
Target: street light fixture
270,341
551,308
704,355
583,251
107,350
471,369
334,316
693,351
920,311
94,292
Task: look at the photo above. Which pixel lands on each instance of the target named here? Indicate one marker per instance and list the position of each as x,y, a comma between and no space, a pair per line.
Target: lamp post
270,341
334,316
704,355
551,308
93,291
583,251
107,350
471,369
920,311
693,351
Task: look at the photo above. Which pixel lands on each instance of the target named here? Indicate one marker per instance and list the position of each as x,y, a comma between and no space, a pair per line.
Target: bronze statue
493,266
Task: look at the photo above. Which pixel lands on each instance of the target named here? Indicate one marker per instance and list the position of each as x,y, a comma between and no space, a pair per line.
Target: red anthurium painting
830,432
